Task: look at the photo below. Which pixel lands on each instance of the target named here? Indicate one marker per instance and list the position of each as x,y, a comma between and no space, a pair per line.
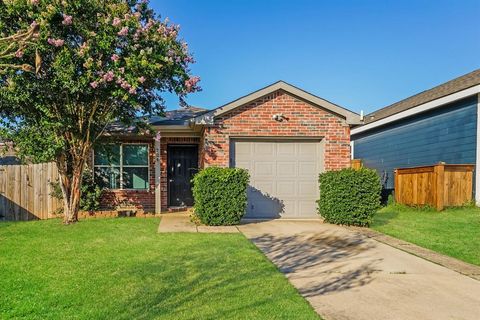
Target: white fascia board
418,109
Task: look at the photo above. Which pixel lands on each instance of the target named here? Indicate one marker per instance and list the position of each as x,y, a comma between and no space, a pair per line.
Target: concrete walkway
347,275
180,222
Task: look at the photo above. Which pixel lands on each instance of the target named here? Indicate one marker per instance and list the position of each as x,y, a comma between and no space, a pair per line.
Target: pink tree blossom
116,21
107,77
141,79
55,42
191,83
19,54
94,84
123,31
67,20
115,57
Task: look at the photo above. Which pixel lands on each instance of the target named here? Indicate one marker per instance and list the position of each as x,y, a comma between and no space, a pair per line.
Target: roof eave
351,117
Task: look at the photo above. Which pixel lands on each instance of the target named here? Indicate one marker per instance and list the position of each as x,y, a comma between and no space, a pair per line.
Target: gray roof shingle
458,84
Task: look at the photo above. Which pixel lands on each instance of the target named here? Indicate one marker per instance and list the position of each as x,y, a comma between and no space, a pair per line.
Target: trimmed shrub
349,197
220,195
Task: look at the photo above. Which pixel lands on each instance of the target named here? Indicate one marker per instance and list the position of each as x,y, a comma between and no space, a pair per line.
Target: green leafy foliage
90,195
349,197
220,195
102,62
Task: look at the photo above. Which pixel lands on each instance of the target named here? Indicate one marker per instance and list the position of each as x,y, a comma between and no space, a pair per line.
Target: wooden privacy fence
25,192
356,164
441,185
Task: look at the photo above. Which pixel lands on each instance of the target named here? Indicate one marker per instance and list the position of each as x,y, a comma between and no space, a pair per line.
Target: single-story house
283,135
440,124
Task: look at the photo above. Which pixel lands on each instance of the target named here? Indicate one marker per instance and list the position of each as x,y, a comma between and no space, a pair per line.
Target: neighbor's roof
351,117
458,84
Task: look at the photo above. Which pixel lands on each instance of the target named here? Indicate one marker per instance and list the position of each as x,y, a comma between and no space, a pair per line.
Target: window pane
135,177
107,154
135,154
107,177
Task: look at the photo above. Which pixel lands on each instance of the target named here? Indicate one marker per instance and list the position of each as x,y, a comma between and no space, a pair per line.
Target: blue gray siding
446,134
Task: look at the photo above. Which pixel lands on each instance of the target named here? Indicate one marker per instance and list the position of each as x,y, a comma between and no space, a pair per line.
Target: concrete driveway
346,275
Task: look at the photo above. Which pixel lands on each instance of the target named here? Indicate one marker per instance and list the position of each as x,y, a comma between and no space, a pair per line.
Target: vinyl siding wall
445,134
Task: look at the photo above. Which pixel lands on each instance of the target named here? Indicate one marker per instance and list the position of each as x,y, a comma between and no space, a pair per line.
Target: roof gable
350,117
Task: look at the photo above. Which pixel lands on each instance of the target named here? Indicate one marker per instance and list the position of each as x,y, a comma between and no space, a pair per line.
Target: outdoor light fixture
278,117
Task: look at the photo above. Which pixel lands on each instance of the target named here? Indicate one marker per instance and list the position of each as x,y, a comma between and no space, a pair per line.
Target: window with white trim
122,166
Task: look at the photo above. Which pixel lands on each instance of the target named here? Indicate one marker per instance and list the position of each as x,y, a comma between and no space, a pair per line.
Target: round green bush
349,197
220,195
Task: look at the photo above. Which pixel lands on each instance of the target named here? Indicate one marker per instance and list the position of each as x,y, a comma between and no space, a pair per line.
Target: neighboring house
283,135
7,154
440,124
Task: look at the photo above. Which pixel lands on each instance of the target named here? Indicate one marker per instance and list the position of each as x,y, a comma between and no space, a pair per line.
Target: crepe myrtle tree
103,61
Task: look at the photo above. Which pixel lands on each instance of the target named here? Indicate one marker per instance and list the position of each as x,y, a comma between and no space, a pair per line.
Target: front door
182,164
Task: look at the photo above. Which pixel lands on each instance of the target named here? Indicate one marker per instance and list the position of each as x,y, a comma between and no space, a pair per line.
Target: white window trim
121,165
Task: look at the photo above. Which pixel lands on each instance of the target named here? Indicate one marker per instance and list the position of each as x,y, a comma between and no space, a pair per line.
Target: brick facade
145,199
253,120
301,120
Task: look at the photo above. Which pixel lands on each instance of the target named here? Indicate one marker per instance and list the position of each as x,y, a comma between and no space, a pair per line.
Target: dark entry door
182,165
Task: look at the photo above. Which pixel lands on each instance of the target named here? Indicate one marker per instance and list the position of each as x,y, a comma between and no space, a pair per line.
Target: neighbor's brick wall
255,120
143,199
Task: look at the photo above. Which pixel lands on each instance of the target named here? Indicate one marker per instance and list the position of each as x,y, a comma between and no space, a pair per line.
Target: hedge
220,195
349,197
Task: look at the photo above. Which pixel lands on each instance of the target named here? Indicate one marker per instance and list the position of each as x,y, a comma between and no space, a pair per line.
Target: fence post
396,194
356,164
439,191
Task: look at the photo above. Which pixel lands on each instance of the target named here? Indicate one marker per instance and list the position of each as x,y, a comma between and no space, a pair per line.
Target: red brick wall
145,199
164,142
142,199
302,120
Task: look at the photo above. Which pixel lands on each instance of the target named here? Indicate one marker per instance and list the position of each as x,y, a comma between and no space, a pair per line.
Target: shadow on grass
385,215
326,261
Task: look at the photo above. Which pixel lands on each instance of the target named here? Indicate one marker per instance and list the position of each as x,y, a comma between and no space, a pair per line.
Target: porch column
158,190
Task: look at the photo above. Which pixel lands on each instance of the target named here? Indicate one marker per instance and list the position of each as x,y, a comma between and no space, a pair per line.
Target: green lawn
454,231
122,269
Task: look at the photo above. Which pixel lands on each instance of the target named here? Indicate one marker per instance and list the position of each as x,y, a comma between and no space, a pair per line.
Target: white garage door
283,176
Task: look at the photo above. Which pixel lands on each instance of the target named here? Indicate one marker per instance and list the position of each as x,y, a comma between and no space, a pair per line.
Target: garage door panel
287,168
264,149
307,189
307,168
289,208
265,187
286,188
243,164
307,148
264,168
243,151
307,209
286,149
284,176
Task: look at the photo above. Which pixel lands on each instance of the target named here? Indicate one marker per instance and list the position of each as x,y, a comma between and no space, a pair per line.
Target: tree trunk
70,169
